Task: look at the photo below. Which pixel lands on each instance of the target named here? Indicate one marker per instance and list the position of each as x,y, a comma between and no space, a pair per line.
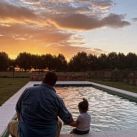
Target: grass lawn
16,74
9,86
119,85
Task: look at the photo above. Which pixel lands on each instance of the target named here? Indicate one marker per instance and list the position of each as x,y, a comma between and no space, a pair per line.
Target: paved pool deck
7,110
105,134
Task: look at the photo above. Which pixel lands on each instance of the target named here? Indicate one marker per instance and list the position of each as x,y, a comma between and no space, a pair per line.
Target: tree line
80,62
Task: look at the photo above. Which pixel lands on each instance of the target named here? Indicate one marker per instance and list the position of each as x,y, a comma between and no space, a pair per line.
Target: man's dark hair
50,78
83,105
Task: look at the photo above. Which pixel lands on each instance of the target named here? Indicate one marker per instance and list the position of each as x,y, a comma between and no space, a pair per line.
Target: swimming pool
108,112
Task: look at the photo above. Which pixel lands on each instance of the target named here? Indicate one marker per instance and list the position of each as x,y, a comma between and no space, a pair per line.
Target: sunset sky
68,26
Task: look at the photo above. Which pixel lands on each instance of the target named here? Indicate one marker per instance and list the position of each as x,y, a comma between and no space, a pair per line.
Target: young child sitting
82,123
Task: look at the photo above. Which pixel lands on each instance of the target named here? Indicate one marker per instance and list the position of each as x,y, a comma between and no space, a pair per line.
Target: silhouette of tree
131,61
4,61
79,62
35,60
24,61
60,63
92,63
112,60
48,61
102,62
121,64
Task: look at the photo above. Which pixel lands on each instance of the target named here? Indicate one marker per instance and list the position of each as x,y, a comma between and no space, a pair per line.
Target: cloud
84,22
30,1
102,4
71,50
134,19
8,10
114,20
76,4
11,13
33,33
78,14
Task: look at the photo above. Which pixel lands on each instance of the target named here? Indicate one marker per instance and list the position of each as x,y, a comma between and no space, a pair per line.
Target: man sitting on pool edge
38,109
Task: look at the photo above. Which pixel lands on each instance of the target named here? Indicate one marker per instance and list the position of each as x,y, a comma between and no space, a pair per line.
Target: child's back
83,120
82,123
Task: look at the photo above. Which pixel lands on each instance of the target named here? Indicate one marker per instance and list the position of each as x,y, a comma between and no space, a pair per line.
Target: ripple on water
108,112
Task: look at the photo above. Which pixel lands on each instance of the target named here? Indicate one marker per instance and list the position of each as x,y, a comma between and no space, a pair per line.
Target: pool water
108,112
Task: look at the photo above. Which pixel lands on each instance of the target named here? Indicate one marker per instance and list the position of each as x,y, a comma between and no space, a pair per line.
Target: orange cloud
33,33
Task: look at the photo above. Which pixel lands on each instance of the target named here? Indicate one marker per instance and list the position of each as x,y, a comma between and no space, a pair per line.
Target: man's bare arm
18,116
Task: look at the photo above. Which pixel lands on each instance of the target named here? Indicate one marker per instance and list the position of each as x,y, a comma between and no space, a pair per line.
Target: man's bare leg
59,126
13,128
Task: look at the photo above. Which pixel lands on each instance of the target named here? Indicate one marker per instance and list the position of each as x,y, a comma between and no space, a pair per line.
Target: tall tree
24,61
112,60
4,61
92,63
49,61
121,64
102,62
131,61
79,62
60,63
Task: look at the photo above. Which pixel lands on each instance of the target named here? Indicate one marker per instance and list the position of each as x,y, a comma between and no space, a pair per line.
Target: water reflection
108,112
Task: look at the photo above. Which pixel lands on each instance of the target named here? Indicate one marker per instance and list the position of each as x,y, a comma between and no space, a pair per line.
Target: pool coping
7,110
115,91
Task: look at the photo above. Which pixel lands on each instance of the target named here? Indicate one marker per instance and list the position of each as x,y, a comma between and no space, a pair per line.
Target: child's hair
83,105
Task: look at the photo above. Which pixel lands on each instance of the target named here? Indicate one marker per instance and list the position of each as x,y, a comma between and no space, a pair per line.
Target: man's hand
74,124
